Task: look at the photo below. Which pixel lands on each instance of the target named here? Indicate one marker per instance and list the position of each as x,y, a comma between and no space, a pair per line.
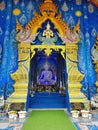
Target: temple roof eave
59,24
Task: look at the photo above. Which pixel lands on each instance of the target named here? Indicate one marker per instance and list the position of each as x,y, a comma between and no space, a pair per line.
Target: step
47,104
20,90
21,85
18,97
47,94
46,100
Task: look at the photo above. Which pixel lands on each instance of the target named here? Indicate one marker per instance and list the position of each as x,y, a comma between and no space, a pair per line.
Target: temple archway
46,33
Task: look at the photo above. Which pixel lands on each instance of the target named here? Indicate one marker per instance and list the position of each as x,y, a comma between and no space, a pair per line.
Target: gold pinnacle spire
18,25
48,1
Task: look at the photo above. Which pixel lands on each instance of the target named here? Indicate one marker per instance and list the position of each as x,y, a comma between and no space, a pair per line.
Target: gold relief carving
48,33
59,24
73,73
74,76
48,11
33,52
23,51
77,27
21,76
18,26
48,7
48,49
71,52
96,66
94,53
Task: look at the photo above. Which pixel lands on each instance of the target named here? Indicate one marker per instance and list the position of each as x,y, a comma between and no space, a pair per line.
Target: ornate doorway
48,70
46,33
48,81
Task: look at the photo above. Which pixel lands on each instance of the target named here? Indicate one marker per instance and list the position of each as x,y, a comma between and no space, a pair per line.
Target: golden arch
24,50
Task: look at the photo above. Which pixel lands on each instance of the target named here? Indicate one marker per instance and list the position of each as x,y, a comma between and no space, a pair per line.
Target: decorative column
76,97
96,69
95,59
21,76
94,99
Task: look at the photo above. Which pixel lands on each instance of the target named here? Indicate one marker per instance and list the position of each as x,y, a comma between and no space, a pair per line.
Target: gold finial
48,26
77,27
18,25
48,1
48,8
48,32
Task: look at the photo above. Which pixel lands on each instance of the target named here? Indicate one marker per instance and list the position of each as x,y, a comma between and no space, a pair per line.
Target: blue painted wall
71,10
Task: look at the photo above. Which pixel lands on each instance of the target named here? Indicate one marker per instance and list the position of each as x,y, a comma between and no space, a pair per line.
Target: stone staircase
46,100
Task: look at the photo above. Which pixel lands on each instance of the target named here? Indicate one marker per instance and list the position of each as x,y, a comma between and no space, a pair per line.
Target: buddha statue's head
46,66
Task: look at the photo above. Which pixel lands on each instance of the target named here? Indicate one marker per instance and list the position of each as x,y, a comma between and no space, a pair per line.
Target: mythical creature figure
25,36
71,36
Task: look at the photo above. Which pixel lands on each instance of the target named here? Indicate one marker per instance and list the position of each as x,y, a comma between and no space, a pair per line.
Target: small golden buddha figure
48,33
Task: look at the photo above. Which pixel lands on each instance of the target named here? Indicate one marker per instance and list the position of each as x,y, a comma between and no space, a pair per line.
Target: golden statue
48,32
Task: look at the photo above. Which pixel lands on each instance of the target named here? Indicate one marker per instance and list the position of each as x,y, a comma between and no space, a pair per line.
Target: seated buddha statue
46,76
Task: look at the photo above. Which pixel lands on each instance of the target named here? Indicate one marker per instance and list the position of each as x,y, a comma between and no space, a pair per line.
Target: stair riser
44,100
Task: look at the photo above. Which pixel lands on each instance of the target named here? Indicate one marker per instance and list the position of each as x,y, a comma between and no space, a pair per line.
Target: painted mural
71,11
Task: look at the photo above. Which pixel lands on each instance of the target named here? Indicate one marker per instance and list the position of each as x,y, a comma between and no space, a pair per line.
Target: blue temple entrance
47,81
